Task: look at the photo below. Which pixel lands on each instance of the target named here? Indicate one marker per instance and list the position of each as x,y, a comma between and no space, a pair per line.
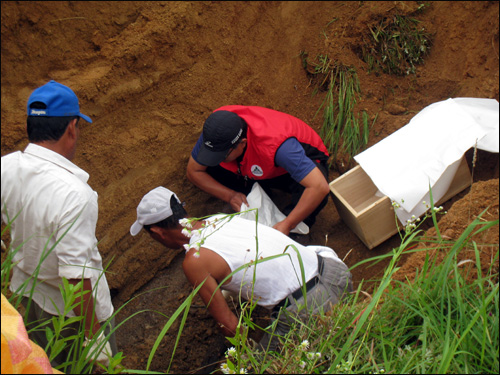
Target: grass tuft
396,46
343,132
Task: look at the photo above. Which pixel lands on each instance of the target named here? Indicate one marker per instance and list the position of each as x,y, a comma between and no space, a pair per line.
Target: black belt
299,292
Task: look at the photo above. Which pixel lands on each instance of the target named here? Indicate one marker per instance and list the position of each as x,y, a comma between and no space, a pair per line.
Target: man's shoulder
23,168
12,157
10,165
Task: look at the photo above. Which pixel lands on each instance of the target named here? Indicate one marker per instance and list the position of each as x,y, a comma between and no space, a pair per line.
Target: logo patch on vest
256,170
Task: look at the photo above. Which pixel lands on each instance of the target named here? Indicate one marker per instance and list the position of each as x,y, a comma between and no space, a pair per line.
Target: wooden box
372,217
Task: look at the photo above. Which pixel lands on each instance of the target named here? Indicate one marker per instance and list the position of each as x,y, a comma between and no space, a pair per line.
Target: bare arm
316,188
197,174
85,307
196,272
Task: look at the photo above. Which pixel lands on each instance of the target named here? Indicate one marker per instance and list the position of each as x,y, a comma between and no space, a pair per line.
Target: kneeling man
243,257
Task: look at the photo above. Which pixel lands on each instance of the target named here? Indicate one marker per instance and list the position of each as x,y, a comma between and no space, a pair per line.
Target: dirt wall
149,73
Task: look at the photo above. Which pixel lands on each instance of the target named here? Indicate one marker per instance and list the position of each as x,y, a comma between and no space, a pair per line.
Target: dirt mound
481,200
149,73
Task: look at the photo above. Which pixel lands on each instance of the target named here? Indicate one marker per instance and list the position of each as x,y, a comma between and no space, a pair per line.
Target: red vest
267,129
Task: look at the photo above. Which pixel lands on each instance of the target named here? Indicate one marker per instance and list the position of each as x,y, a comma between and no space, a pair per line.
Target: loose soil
149,73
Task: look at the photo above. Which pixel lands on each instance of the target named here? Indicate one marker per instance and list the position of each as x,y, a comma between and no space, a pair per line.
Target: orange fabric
20,355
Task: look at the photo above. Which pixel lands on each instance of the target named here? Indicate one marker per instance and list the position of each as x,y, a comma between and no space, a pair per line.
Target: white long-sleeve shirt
51,206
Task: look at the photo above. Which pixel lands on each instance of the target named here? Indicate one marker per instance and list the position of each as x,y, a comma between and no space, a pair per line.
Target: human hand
283,227
98,351
236,200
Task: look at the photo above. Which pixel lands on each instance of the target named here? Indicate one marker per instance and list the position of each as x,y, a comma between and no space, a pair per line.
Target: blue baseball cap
59,99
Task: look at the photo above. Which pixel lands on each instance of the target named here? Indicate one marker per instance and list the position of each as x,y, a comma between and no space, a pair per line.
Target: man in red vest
240,145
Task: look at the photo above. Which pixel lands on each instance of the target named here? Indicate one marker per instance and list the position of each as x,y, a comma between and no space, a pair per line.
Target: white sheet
269,213
426,152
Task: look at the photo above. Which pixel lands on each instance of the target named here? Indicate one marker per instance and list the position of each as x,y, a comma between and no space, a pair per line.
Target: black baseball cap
221,131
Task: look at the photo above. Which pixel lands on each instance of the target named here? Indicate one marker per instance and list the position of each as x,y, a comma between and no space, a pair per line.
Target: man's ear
72,131
156,230
156,233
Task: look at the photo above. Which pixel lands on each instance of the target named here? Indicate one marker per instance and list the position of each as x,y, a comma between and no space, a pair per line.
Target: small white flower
186,246
196,254
225,368
196,246
302,364
310,355
186,232
304,345
243,370
317,354
231,352
186,223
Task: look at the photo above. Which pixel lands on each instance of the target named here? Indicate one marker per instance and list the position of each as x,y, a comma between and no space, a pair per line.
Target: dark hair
45,128
244,127
178,212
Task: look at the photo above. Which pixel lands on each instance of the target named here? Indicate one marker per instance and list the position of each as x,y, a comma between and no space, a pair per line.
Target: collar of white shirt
53,157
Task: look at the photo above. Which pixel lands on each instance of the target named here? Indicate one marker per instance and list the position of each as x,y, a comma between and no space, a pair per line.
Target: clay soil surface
149,73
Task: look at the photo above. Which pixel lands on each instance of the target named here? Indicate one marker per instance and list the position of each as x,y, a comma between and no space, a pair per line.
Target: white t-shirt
53,202
276,278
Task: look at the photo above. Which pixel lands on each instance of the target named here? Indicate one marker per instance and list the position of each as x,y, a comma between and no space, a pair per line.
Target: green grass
77,362
343,131
396,45
443,321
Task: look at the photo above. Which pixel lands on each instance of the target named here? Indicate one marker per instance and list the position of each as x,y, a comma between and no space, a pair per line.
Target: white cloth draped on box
427,151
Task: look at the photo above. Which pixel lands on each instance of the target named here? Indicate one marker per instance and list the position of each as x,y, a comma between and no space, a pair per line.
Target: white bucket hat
153,208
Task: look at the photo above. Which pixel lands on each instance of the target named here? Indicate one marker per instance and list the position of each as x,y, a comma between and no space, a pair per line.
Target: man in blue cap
52,213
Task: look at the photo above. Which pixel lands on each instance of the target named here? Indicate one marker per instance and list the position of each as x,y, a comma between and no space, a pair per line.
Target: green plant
440,322
396,45
77,361
444,321
342,131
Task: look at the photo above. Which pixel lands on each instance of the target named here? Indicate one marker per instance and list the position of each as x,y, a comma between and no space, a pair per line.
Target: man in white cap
52,214
222,250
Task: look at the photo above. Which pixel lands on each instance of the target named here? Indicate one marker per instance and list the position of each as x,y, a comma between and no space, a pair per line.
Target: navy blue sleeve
197,147
292,157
